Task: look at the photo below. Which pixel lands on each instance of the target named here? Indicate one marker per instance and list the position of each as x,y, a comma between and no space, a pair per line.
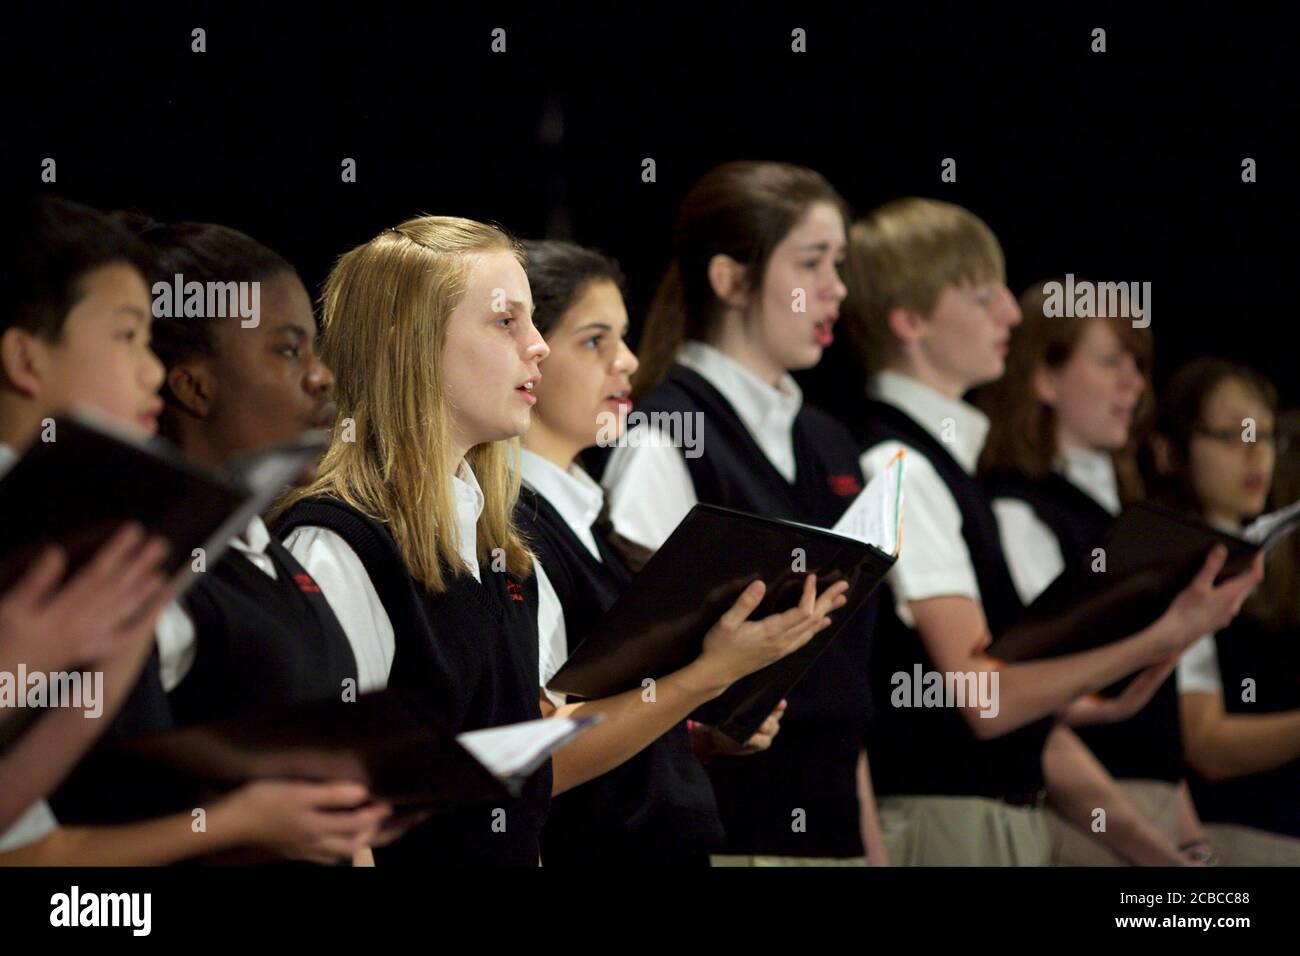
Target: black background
1123,165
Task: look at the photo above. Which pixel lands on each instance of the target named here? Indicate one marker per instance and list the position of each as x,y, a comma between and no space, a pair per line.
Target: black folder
81,487
658,624
85,477
1151,554
412,762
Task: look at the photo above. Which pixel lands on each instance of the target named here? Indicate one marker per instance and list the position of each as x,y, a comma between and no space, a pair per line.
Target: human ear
1044,386
729,281
906,325
193,386
20,359
1162,452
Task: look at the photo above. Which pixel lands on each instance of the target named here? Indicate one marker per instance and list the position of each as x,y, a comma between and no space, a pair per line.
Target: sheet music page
1268,529
876,514
512,749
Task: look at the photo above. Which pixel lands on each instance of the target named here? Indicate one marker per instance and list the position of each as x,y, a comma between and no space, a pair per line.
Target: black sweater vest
1271,659
95,795
931,750
467,658
260,643
656,808
799,797
1149,745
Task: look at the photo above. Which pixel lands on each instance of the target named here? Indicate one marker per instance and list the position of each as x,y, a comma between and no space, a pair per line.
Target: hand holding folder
659,623
1139,566
77,490
414,764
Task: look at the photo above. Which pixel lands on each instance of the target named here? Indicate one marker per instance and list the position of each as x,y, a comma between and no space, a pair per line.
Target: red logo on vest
514,590
306,584
843,485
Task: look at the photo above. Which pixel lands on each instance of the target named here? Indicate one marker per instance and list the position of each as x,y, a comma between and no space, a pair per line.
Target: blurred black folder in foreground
376,740
78,489
658,624
1150,555
85,477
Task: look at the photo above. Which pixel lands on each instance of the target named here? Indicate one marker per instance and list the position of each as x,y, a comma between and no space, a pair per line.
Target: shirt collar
767,413
8,457
1092,472
964,438
573,493
466,488
254,539
469,506
746,392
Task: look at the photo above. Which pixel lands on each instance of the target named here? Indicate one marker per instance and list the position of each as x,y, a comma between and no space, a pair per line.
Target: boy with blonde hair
964,782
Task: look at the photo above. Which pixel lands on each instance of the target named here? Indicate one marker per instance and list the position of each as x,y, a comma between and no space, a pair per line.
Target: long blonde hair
385,310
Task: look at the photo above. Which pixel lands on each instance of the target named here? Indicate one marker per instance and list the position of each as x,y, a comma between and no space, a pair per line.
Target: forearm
157,842
1078,786
1225,746
1036,689
630,724
51,747
955,634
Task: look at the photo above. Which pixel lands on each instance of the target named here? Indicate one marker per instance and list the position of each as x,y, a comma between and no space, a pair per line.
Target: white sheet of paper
876,514
1268,529
515,749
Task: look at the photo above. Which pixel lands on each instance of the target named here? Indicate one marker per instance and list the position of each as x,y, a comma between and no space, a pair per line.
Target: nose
1010,310
1252,450
1132,374
626,360
838,290
320,377
536,348
153,372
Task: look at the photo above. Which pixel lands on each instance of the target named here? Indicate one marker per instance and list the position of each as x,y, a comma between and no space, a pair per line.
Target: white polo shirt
1198,668
1032,551
571,492
347,587
936,561
1034,555
649,485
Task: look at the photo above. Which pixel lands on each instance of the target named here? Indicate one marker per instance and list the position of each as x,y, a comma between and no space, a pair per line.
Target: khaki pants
962,831
1247,846
1072,845
727,859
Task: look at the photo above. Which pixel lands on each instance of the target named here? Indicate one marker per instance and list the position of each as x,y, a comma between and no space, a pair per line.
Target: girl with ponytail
751,293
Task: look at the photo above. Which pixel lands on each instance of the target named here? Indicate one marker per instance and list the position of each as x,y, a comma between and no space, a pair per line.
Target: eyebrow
134,311
297,330
820,247
603,326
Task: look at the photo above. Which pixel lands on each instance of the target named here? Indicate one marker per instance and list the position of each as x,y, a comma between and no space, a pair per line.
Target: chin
1115,441
988,375
518,428
804,359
